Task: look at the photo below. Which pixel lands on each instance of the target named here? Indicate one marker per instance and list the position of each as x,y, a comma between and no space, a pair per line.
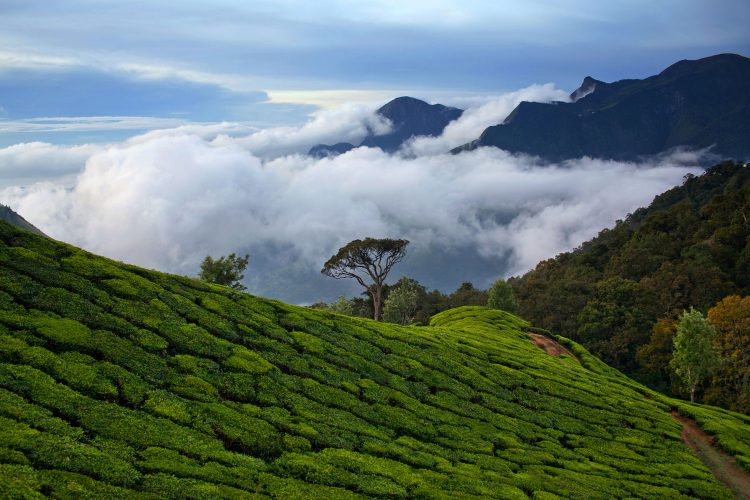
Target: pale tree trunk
692,394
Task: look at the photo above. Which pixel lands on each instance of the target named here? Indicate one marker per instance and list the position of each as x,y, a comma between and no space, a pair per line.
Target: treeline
621,293
409,302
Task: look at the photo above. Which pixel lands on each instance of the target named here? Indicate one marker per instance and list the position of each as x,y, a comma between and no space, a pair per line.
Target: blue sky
273,62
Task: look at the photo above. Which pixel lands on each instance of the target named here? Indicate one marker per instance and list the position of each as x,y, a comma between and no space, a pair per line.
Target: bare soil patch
721,464
550,346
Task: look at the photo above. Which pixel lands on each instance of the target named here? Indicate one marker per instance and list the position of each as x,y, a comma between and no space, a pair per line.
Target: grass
116,381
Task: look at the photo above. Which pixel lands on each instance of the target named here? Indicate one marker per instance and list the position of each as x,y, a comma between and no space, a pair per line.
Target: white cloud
167,198
478,117
328,99
167,201
86,124
37,160
347,123
26,60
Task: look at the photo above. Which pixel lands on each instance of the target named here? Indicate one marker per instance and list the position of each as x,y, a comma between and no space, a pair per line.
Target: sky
157,132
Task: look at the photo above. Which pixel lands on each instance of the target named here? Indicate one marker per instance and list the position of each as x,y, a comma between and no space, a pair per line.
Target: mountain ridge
697,104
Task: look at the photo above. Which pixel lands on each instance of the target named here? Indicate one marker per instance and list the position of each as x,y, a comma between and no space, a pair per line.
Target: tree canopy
368,261
690,247
694,357
227,270
403,301
731,380
500,296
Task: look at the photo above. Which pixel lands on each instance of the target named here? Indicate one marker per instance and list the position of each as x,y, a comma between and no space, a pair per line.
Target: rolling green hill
116,381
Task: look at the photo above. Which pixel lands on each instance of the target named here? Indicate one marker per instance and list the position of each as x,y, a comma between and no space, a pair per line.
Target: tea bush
120,382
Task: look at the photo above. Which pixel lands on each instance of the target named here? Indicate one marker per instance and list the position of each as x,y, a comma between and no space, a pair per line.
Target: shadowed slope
14,218
696,104
116,381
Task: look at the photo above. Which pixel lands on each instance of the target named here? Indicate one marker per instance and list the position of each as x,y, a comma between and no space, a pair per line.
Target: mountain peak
410,117
588,85
690,66
404,108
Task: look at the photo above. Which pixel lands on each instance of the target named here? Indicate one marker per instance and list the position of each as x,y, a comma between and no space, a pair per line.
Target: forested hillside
620,293
120,382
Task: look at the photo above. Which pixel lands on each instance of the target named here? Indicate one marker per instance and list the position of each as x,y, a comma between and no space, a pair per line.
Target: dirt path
550,346
722,465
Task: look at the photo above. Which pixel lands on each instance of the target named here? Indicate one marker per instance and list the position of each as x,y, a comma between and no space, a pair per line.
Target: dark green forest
120,382
621,293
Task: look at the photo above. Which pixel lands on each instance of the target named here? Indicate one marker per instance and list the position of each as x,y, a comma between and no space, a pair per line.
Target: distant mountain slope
120,382
690,247
410,118
691,103
12,217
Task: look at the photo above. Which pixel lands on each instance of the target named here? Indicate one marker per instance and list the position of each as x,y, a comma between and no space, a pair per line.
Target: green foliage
427,303
348,307
402,302
694,357
731,379
120,382
226,270
690,247
500,296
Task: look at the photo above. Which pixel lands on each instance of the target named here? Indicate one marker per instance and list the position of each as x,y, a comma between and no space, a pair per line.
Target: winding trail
722,465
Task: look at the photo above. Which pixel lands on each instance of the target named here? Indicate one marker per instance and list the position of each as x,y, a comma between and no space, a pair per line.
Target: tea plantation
118,382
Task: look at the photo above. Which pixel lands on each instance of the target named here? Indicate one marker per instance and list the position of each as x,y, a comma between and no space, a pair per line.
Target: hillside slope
697,104
117,381
690,247
14,218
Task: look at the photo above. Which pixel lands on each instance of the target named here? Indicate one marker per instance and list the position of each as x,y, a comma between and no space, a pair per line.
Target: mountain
620,292
12,217
696,104
409,117
120,382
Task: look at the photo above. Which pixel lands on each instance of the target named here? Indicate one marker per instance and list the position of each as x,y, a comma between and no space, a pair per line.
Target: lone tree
501,297
694,357
225,270
369,258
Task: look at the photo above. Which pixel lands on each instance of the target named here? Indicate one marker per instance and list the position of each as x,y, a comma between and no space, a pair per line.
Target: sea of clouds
167,198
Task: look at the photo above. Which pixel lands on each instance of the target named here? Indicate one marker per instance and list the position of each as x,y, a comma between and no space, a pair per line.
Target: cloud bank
167,202
346,123
31,161
167,198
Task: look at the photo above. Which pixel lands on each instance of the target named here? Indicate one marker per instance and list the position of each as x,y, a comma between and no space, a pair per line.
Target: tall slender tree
694,357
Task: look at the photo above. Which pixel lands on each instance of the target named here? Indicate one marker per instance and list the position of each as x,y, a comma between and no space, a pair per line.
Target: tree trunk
692,394
377,294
